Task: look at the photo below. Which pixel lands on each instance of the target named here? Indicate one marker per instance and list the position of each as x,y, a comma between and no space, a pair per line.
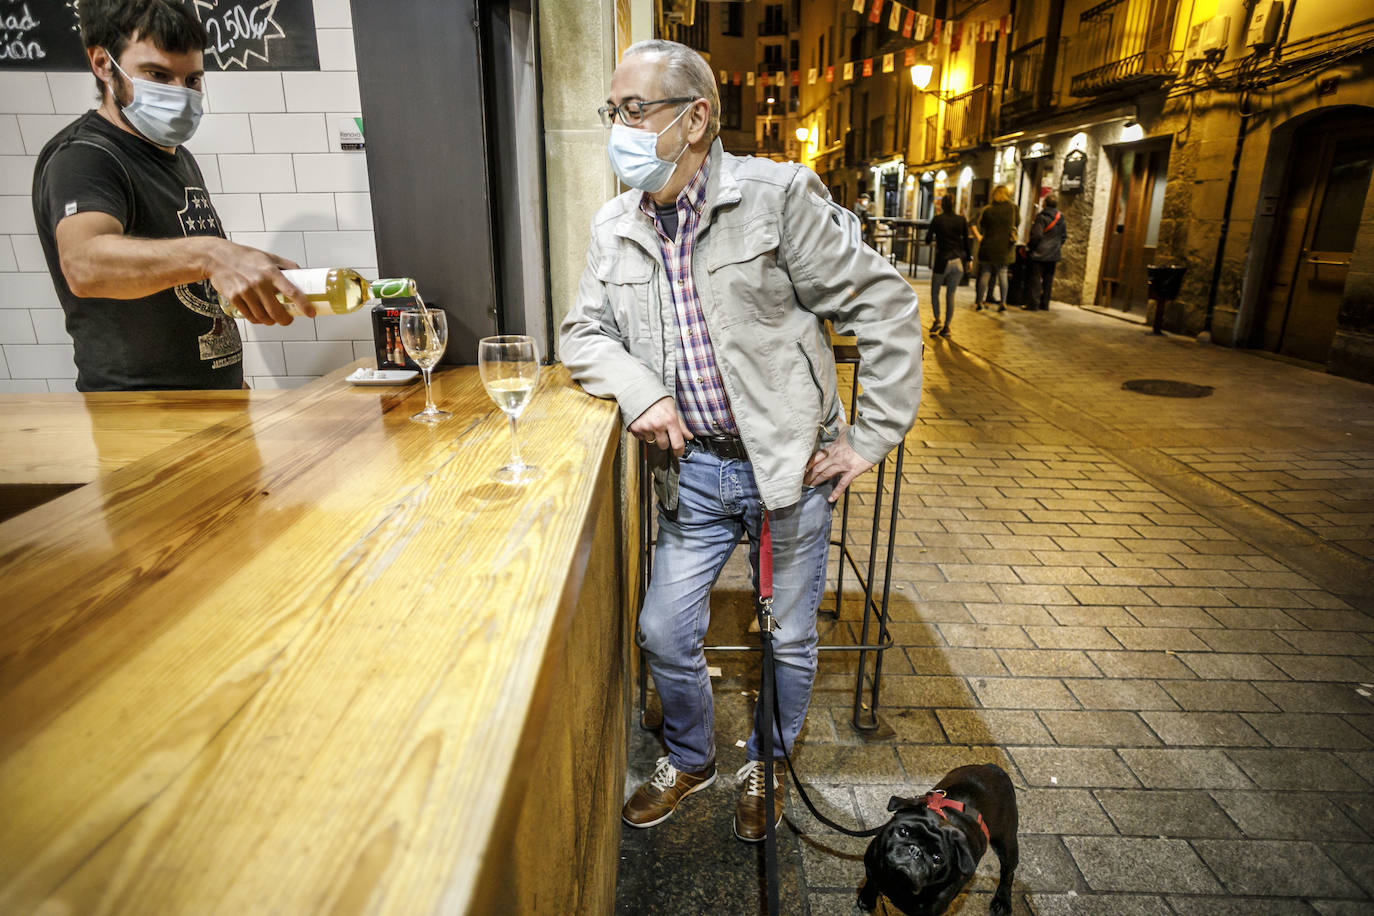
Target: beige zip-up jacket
774,258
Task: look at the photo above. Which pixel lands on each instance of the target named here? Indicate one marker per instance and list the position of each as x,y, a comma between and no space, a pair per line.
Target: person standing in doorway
997,228
1047,237
949,233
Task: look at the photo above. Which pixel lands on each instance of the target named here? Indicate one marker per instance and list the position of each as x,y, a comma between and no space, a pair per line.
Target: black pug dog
924,856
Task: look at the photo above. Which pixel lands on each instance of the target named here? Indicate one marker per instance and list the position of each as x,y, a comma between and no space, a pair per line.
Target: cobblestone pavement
1154,613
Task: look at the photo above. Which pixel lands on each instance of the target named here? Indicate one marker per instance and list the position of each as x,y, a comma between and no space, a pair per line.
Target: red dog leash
768,697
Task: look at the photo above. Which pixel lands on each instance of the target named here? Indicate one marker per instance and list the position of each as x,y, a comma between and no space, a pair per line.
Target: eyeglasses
632,112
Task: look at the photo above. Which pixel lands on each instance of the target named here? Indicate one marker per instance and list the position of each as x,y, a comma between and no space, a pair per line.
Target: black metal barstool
868,677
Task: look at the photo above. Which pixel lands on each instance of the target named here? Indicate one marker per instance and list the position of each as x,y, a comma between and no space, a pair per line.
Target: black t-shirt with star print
176,338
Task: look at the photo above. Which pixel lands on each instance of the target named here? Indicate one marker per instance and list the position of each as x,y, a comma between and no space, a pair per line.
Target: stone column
579,42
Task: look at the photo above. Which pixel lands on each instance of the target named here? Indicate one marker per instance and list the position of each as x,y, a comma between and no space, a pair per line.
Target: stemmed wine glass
509,368
424,334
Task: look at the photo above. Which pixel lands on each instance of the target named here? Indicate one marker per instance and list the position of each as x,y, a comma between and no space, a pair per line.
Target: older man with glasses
702,311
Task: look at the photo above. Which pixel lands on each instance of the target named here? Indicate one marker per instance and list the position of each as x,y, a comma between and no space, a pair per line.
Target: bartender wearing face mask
135,247
701,311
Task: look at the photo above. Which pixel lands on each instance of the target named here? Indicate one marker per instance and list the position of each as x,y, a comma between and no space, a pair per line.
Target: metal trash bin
1165,282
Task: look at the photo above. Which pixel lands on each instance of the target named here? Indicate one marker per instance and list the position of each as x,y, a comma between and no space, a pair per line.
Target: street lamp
921,74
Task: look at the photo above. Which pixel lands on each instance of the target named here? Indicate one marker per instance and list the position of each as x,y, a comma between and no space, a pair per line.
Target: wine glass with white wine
510,368
424,334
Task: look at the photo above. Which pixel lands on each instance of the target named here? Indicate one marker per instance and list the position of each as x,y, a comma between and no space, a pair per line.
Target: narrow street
1156,613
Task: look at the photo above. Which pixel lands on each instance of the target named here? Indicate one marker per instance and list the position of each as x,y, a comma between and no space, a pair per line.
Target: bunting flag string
919,28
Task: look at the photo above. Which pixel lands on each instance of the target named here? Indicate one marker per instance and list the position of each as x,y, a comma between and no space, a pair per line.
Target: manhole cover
1167,388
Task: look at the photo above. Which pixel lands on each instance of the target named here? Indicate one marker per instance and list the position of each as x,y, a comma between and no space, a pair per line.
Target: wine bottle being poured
336,291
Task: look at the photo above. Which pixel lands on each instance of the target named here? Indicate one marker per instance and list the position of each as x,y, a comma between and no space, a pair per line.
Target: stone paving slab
1114,598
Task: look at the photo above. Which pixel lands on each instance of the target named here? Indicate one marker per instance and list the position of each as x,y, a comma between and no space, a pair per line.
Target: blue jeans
718,501
987,274
954,272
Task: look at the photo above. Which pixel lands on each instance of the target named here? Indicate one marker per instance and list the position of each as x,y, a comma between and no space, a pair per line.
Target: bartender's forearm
123,267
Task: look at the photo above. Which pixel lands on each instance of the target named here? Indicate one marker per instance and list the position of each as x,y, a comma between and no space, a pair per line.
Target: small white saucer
362,376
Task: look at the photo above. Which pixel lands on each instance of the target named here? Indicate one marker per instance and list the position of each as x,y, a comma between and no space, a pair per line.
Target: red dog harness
936,801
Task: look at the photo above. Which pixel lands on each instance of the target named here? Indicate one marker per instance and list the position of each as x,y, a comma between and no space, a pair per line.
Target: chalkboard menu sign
244,35
1075,163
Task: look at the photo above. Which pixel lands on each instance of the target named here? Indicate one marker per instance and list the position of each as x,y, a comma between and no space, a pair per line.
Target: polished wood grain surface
286,666
74,438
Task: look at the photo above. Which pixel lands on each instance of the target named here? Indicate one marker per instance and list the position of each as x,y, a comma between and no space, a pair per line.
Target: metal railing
1024,74
966,119
1122,44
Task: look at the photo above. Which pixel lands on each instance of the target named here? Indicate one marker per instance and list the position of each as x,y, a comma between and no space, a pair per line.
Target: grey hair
684,72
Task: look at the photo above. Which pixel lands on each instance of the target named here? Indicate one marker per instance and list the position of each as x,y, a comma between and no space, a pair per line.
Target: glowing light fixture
921,74
770,100
803,134
941,175
1132,133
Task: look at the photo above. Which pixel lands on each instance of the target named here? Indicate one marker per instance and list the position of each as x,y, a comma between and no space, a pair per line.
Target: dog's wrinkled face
919,849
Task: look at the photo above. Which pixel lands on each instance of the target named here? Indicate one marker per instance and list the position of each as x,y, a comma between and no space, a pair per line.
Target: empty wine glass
509,368
424,334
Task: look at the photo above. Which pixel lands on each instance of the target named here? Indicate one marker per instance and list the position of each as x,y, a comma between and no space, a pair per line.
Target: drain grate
1167,388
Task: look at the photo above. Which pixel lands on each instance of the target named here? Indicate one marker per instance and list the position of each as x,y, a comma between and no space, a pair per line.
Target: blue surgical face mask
166,115
634,156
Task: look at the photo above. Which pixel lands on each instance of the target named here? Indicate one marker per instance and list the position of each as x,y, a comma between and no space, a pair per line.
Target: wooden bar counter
311,657
53,443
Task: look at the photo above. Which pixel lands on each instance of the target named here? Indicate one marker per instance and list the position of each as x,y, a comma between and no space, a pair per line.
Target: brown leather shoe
656,800
750,823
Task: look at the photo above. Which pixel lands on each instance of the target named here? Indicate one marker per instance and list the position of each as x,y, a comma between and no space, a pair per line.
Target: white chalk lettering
21,50
19,23
241,31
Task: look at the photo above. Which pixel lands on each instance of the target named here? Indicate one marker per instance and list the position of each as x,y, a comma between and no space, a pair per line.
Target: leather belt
722,446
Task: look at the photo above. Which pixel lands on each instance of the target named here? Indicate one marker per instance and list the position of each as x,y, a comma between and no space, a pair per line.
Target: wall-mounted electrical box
1207,40
1216,35
1264,24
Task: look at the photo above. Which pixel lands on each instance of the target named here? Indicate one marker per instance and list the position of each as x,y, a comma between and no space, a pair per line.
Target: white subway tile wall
11,141
269,148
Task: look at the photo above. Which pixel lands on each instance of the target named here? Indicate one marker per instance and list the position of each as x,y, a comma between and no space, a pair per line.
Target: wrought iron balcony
966,119
1122,45
1024,76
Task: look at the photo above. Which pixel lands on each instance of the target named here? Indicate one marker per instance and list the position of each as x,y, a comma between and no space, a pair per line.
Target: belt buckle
725,447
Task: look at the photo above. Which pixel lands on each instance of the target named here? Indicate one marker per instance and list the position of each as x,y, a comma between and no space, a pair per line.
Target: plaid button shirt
701,396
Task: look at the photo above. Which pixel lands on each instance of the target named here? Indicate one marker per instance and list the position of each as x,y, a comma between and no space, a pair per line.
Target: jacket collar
721,191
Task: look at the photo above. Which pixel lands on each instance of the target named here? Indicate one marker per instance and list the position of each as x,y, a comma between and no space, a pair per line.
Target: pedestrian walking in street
863,209
1047,237
949,232
997,231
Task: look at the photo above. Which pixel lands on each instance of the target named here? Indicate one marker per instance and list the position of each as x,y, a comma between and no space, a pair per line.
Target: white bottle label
311,281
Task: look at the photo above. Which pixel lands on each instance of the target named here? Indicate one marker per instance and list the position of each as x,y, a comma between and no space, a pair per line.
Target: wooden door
1320,217
1133,227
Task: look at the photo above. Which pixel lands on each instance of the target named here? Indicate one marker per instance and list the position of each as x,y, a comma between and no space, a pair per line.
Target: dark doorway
1318,218
1139,175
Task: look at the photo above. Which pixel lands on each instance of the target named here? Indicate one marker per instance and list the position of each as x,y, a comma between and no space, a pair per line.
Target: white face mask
166,115
634,156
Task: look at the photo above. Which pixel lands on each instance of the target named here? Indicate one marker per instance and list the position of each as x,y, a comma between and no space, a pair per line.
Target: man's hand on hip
661,426
838,459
